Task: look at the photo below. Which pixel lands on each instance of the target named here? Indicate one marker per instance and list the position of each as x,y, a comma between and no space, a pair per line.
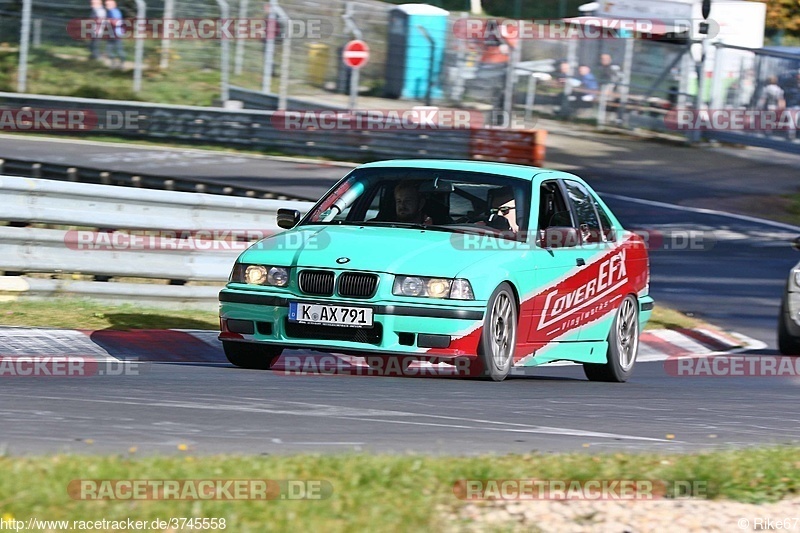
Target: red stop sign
355,54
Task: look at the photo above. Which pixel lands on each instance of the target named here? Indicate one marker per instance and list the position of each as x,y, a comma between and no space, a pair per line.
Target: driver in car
409,204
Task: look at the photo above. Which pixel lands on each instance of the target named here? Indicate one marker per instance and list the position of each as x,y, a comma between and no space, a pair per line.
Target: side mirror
796,243
561,237
288,218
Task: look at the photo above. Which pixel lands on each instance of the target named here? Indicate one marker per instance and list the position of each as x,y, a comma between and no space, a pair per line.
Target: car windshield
446,200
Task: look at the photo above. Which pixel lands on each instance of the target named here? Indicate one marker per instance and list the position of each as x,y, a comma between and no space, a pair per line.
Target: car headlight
255,275
260,275
425,287
797,278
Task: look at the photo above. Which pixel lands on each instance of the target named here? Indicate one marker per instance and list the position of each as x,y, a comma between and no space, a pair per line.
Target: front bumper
435,331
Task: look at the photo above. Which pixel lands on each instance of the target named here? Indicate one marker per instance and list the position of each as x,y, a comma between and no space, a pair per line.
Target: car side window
553,210
588,221
605,221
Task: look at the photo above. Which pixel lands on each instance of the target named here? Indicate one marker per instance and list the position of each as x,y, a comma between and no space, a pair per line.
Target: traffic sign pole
354,76
355,55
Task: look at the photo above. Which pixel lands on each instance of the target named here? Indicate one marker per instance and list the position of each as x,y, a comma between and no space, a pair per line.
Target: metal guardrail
261,130
63,172
101,206
116,213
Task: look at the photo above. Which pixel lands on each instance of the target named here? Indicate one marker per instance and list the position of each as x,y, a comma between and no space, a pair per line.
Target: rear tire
788,344
623,346
499,338
251,355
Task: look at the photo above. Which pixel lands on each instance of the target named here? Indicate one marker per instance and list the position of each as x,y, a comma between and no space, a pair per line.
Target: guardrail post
239,54
169,6
72,174
136,181
200,187
105,178
36,170
250,194
169,185
138,54
227,190
224,11
2,162
530,97
37,33
24,42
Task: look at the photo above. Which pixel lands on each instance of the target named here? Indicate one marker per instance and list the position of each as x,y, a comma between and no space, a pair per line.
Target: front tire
251,355
623,346
499,338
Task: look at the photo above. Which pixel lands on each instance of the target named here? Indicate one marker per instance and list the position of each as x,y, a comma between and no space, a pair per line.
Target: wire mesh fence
301,56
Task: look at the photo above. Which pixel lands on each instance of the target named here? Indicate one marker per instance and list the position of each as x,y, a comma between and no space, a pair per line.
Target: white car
789,319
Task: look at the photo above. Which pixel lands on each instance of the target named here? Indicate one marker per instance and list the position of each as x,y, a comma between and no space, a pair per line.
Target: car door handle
580,262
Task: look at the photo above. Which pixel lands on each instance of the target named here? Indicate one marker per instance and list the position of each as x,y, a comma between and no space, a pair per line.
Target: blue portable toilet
409,51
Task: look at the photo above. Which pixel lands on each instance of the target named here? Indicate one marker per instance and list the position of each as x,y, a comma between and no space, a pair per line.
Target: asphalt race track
732,275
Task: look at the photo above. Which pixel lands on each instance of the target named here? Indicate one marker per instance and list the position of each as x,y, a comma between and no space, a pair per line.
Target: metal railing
115,214
64,172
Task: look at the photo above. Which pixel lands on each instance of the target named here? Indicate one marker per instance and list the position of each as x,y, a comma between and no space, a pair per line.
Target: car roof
489,167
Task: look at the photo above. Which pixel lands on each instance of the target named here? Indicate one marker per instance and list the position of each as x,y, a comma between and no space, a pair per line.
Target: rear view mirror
288,218
560,237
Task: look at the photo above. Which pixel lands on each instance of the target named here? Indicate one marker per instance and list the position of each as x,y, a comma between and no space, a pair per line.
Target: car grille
357,284
317,282
371,335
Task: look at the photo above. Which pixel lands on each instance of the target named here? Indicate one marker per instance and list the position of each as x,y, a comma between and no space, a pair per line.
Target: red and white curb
202,346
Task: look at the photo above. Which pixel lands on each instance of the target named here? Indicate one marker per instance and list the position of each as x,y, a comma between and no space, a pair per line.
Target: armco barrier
89,205
76,173
112,210
255,129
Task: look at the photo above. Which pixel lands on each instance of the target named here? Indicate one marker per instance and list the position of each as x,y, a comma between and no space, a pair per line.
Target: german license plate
330,315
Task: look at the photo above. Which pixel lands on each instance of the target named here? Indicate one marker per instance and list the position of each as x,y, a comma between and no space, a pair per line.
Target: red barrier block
524,147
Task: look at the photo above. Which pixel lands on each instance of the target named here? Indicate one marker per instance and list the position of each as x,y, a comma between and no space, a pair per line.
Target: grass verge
370,492
77,313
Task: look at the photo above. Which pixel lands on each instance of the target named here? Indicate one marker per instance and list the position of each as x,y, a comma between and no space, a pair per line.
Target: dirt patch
628,516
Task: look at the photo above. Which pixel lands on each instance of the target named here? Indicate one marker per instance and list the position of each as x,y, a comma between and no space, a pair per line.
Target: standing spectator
792,92
772,96
589,84
608,73
792,97
98,17
114,45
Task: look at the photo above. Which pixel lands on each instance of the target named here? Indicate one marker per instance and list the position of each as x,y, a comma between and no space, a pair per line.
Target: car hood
423,252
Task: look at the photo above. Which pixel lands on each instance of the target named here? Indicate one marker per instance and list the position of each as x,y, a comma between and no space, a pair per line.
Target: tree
782,15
